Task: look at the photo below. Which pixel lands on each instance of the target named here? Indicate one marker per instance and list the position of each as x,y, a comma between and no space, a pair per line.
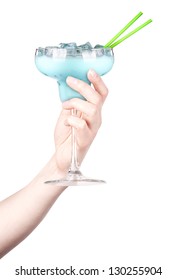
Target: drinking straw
130,34
123,30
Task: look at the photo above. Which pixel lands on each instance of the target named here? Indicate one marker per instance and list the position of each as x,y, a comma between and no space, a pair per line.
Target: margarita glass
71,60
59,63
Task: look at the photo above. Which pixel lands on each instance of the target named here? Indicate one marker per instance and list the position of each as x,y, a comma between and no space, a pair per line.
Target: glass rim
77,48
54,51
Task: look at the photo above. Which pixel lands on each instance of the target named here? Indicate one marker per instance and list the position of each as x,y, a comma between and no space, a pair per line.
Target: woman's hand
24,210
86,122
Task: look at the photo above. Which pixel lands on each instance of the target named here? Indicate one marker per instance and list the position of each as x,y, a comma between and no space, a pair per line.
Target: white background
131,220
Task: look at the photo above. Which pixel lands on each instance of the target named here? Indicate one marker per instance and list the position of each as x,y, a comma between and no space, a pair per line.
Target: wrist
50,172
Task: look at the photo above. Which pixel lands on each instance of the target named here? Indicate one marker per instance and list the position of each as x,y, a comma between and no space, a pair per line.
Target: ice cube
86,46
40,51
49,51
98,46
89,54
86,50
71,45
70,48
59,53
99,50
55,52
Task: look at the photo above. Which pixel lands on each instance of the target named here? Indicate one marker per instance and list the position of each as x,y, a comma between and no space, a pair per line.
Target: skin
23,211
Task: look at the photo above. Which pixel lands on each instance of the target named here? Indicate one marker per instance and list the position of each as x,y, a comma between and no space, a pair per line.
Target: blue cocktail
59,63
71,60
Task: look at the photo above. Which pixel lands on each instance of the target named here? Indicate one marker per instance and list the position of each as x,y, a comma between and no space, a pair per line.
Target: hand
86,122
41,197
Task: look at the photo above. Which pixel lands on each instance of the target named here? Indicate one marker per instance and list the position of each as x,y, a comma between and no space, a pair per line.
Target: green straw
130,34
123,30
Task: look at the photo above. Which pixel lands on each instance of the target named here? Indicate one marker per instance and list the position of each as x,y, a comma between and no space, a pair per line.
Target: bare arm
24,210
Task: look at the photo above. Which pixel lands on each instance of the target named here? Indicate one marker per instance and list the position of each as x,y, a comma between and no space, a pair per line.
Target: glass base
75,178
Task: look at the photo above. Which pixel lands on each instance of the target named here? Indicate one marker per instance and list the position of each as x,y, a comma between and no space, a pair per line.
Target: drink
70,60
61,63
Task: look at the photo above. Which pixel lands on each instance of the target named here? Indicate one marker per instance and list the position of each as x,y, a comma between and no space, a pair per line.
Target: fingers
91,110
82,130
96,95
88,109
98,84
84,89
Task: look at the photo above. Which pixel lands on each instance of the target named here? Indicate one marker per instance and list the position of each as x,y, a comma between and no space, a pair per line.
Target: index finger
85,90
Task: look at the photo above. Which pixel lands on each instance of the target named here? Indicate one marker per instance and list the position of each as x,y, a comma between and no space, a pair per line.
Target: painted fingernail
71,80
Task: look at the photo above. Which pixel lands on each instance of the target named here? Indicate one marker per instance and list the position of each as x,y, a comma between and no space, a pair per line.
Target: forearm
24,210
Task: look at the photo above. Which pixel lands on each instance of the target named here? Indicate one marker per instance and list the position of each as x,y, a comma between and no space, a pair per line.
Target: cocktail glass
59,63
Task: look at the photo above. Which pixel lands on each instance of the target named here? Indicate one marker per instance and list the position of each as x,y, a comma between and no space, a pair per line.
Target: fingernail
93,73
71,80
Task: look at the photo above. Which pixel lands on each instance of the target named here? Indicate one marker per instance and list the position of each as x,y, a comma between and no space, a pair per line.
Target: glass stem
74,160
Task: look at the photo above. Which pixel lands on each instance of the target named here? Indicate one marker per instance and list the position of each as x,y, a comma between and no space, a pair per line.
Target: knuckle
73,102
99,122
99,101
106,91
93,111
82,125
